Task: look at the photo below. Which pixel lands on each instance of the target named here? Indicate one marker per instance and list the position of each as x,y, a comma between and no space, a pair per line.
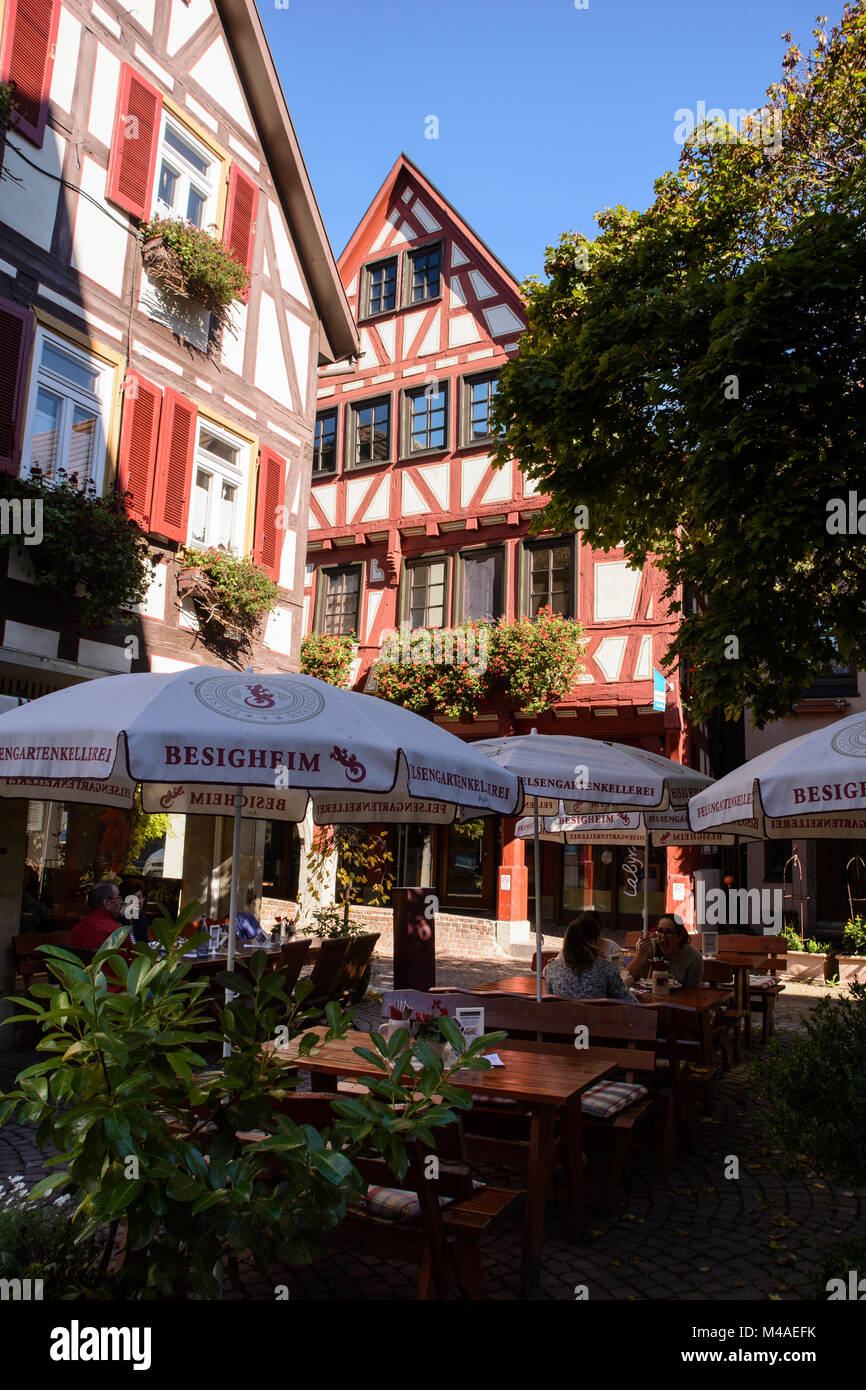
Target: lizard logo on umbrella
284,700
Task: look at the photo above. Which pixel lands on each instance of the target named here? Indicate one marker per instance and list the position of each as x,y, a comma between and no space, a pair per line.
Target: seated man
669,950
96,927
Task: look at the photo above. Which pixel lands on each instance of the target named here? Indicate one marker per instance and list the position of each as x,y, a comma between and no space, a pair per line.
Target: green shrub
193,263
242,593
38,1241
854,936
812,1091
150,1140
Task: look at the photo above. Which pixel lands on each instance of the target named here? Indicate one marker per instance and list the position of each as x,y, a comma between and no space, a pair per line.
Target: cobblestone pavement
690,1234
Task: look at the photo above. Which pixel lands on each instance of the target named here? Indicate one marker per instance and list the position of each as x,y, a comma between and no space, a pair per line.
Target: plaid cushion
609,1097
395,1204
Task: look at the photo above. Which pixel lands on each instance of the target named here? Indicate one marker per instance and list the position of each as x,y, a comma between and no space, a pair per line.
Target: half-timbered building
410,526
126,110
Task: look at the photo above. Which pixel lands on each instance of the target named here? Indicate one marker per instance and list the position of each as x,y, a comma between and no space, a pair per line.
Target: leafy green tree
691,384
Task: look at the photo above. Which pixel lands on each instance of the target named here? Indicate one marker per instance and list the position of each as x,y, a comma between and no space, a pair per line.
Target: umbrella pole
233,899
536,859
646,840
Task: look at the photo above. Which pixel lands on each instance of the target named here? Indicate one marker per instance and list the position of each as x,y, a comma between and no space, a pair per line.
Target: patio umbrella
588,774
811,787
245,737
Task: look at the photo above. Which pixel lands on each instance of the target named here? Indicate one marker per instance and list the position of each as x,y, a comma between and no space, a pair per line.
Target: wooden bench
442,1239
31,964
760,1000
339,969
625,1035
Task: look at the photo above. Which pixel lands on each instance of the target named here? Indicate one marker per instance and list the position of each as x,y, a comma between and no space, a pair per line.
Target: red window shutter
134,144
270,497
29,42
16,333
142,401
174,467
241,210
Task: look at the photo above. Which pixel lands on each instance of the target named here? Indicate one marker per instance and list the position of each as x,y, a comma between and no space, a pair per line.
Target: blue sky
545,112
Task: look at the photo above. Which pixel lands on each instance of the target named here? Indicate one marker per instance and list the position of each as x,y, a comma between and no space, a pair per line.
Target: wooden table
704,1002
547,1083
742,966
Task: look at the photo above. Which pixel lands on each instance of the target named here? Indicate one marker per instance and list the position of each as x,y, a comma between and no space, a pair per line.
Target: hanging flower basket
187,261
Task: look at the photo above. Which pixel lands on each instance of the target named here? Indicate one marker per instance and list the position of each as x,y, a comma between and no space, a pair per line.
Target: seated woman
580,970
669,949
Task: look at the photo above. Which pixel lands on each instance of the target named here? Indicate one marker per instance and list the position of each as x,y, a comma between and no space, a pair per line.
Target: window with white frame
219,484
70,396
187,176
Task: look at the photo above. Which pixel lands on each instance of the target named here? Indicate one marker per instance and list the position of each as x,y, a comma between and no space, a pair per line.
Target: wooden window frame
409,273
107,397
351,433
322,575
470,553
528,547
465,424
327,472
409,394
364,286
414,562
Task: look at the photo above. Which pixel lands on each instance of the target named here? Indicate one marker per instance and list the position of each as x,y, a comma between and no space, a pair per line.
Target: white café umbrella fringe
587,774
811,787
295,735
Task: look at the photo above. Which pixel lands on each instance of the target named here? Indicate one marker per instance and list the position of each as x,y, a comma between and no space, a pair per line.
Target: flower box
851,969
807,966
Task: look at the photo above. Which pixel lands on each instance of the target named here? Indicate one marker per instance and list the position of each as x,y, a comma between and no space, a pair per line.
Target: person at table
580,971
668,949
97,925
134,896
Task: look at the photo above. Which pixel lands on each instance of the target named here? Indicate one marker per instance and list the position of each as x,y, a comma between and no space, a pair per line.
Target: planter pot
852,969
806,966
190,579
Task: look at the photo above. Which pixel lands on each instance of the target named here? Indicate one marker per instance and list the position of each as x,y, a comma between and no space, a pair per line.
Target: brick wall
455,935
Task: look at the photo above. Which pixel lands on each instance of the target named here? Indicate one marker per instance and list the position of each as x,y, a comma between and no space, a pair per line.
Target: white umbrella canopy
630,828
588,774
811,787
229,727
280,739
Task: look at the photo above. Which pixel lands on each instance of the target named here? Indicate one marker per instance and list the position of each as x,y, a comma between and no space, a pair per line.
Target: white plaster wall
278,631
22,637
270,373
103,96
185,20
215,73
103,655
98,244
287,561
66,61
30,207
140,10
287,265
615,590
299,336
234,339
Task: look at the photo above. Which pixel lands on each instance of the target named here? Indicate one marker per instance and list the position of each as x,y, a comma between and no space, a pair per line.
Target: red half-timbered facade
126,112
409,525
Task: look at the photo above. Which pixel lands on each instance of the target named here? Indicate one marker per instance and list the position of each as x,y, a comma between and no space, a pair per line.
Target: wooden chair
546,958
290,962
338,973
727,1036
31,965
443,1240
326,971
761,999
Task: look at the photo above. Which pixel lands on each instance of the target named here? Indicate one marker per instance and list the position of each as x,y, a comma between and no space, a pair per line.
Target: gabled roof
377,211
249,47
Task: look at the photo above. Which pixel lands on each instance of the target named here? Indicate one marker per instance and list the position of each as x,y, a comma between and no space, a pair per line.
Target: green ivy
328,657
242,593
87,540
854,936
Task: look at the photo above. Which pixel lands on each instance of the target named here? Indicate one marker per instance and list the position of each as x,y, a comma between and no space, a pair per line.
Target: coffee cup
661,982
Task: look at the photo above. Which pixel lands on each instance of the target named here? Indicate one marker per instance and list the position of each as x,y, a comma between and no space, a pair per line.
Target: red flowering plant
537,660
454,671
328,657
426,1026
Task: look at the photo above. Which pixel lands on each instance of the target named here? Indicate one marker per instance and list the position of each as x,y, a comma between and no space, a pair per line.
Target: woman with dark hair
134,895
669,950
580,970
